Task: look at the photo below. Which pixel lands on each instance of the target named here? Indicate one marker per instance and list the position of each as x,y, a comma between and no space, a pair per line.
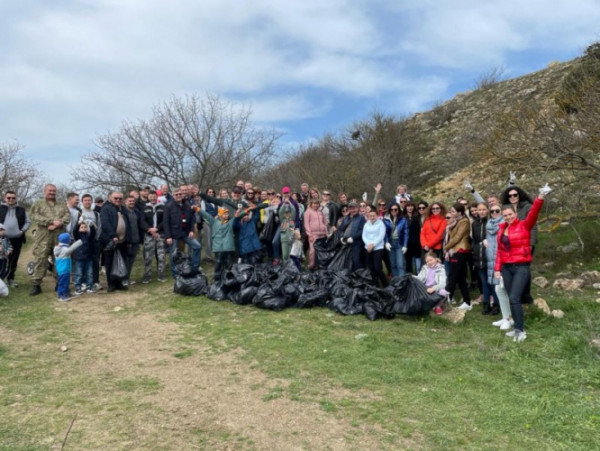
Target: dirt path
203,401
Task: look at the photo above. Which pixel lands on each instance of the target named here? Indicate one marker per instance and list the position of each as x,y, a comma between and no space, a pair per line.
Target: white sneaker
465,306
506,324
520,336
498,323
511,334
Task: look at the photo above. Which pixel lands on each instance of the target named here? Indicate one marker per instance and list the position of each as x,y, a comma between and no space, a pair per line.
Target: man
330,210
165,195
304,194
16,222
51,218
351,230
134,238
115,228
178,224
92,218
154,238
98,204
74,211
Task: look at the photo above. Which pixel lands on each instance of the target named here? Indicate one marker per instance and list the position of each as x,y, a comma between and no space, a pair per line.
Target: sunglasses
10,197
513,195
249,193
381,205
362,205
326,194
393,209
435,208
495,211
422,208
448,217
117,198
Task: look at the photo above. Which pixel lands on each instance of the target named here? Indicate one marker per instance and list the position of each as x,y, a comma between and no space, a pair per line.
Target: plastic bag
342,259
217,292
297,250
410,296
325,249
191,286
312,299
183,265
3,289
118,271
268,298
268,232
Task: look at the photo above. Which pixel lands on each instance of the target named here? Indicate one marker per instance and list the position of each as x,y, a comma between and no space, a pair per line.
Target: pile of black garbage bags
283,286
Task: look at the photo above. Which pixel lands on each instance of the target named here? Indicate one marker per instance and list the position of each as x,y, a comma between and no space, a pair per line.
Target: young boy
84,257
62,254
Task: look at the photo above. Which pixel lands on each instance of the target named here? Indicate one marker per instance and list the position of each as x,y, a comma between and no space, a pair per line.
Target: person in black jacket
113,236
16,222
154,238
178,223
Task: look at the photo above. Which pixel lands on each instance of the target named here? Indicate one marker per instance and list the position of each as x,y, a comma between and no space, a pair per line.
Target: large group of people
490,242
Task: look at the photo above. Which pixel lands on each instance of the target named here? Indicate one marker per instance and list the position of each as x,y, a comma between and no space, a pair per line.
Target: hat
285,190
64,238
237,189
2,226
352,204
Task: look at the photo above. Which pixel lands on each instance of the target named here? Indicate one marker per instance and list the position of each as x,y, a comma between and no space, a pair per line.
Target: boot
486,310
35,290
495,310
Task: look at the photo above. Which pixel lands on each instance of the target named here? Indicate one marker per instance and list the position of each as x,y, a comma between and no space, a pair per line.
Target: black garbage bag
270,299
191,286
316,298
183,265
377,303
325,249
216,291
361,277
290,290
350,305
342,259
268,232
410,296
246,295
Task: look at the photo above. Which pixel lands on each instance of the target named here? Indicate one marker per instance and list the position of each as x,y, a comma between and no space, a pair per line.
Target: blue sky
70,70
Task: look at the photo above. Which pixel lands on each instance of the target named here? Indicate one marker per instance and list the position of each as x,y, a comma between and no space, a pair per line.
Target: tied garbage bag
325,249
270,299
351,305
316,298
268,232
410,296
216,291
183,265
240,274
191,286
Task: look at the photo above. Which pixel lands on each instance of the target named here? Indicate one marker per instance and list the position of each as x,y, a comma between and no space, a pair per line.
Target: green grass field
409,383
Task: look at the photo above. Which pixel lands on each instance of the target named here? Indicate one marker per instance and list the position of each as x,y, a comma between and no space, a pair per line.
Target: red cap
285,190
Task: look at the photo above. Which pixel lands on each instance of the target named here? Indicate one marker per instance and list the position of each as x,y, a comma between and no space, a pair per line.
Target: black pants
458,275
374,263
223,260
13,258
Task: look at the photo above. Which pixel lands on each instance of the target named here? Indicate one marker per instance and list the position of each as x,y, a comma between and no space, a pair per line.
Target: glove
365,196
388,246
469,186
545,190
349,240
404,249
512,177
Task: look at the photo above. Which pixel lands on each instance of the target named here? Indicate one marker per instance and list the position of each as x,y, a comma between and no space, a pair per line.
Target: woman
457,250
398,240
211,209
491,247
343,214
514,257
478,232
373,236
315,226
433,228
413,251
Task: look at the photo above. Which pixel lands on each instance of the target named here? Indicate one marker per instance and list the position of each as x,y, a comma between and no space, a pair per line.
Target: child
297,250
433,275
5,251
62,254
84,257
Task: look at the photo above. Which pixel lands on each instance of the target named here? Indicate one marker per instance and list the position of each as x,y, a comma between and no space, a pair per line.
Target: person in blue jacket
351,230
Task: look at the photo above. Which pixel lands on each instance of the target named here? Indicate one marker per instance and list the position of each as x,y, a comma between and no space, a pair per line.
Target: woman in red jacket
514,257
433,228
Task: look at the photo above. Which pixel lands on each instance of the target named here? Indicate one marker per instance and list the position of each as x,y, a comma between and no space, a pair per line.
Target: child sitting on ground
433,275
62,254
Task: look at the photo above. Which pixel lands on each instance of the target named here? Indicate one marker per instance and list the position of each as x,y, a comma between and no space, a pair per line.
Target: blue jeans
397,259
416,261
195,248
516,277
486,289
83,273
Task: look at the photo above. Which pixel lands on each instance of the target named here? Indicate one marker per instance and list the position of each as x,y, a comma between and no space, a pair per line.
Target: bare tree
16,173
190,140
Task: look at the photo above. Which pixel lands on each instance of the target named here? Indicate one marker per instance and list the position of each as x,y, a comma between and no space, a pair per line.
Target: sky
73,70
